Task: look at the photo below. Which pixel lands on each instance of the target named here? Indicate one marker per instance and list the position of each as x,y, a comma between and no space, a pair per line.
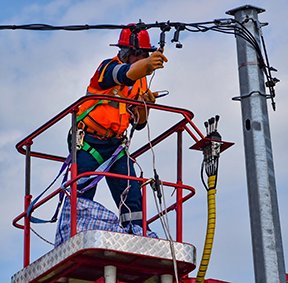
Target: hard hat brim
152,49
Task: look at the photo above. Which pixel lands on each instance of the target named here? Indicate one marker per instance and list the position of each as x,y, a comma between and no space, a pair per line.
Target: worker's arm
146,66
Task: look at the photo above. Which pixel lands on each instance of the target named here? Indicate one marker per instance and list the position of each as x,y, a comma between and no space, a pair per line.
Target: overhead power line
225,25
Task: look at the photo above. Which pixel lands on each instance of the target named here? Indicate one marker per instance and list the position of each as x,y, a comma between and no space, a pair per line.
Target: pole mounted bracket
203,143
232,12
213,140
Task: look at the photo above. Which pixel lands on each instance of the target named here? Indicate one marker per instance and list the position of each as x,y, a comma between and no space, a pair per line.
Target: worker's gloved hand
150,96
142,112
155,61
146,66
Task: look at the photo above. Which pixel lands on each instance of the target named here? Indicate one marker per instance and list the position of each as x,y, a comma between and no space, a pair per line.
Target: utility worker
105,126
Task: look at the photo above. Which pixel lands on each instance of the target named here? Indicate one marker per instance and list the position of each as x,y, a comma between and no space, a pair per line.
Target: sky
43,72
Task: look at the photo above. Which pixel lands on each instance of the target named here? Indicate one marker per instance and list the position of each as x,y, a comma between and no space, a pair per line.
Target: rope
163,218
42,238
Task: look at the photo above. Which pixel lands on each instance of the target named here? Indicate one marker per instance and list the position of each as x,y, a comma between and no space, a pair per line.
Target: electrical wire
172,248
41,237
45,27
125,192
226,26
139,26
238,29
202,176
163,218
271,83
165,226
148,126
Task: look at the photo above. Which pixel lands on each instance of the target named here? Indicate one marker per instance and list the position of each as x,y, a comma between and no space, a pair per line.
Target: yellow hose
210,230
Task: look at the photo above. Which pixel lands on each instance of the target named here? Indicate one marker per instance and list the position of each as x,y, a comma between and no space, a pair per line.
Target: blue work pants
86,162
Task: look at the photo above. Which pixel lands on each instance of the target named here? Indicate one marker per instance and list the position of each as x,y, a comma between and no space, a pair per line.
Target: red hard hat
141,40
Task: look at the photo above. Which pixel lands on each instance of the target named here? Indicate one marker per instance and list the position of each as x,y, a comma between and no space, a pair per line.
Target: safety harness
87,122
103,167
107,118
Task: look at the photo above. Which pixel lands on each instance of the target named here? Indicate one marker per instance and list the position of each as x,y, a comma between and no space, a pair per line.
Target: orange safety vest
109,118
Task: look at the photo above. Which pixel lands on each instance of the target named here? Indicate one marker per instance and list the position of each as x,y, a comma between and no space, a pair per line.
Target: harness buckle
79,138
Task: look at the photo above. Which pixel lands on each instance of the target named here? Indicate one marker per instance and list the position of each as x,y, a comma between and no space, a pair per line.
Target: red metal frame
179,196
24,147
193,280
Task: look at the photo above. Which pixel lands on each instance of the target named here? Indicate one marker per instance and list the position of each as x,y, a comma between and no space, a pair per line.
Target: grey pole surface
268,255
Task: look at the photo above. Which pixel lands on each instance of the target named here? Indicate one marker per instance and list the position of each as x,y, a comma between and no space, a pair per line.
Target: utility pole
268,255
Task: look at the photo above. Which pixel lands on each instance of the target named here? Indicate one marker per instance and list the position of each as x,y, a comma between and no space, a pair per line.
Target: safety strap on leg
93,152
104,167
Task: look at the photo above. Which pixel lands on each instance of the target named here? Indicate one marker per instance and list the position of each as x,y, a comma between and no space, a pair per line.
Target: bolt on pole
264,215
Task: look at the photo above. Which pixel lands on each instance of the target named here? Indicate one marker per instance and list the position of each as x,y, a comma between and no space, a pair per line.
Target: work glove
149,96
146,66
142,112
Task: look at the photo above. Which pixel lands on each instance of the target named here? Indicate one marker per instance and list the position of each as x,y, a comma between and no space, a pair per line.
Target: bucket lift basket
84,257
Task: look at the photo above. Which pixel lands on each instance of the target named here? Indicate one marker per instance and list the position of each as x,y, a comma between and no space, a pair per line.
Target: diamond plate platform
84,256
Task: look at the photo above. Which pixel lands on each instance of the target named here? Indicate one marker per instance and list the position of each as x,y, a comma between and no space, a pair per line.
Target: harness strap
86,112
93,152
104,167
64,166
98,129
101,77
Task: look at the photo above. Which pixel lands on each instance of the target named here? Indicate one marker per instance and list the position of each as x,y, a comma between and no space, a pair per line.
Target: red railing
24,147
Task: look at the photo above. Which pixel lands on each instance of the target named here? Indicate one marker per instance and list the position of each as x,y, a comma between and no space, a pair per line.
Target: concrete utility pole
264,215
